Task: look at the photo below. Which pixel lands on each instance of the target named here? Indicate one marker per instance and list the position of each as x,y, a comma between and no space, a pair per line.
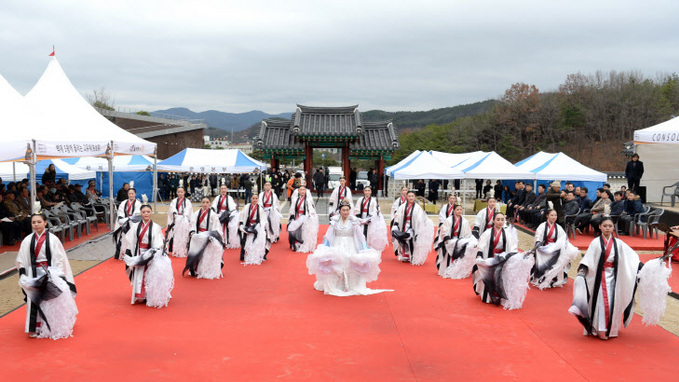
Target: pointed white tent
657,148
78,129
15,118
211,161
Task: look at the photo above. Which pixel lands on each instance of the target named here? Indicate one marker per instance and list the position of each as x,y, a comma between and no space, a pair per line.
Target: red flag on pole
52,54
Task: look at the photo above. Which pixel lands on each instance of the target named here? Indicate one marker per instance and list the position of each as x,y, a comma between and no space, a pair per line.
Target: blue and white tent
16,171
547,167
210,161
126,169
483,165
422,165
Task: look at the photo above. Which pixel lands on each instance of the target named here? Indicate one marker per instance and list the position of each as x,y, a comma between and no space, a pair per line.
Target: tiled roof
338,124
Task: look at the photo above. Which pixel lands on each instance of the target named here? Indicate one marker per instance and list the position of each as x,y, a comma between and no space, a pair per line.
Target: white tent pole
14,171
155,181
31,164
111,206
464,199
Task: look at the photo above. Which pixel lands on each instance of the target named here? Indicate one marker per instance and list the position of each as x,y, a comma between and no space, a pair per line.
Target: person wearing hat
554,196
78,196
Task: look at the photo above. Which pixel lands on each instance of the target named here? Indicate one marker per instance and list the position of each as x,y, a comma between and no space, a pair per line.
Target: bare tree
101,99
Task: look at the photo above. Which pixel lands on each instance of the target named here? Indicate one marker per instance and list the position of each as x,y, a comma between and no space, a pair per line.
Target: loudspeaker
642,194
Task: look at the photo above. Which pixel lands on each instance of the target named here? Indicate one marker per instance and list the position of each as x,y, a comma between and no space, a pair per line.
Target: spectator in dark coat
434,190
479,188
634,171
319,181
632,207
554,196
498,190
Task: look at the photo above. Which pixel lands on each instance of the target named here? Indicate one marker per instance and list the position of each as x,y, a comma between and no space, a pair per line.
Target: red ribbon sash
130,207
550,233
253,213
267,199
456,226
489,218
364,205
498,237
300,203
144,228
201,216
39,243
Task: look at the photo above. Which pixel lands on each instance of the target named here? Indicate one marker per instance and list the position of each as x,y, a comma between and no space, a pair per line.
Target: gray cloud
268,55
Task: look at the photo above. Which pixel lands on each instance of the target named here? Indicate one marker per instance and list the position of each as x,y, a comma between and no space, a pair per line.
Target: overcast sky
238,56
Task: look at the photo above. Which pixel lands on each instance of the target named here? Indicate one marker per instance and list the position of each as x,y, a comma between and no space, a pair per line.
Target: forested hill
412,120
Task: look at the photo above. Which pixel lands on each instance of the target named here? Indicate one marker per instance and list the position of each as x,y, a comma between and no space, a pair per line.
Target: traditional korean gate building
327,127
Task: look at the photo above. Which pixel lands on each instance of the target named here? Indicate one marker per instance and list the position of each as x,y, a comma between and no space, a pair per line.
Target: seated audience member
91,192
77,194
531,212
585,201
44,202
528,200
585,217
122,193
570,207
23,200
14,211
11,230
632,207
599,210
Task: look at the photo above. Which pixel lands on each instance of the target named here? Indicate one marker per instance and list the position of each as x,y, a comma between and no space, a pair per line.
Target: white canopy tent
559,166
657,147
70,126
423,166
15,118
205,161
491,166
452,159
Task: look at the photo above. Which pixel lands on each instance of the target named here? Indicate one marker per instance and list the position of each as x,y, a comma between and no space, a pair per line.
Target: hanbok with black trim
483,221
126,211
227,213
206,249
603,295
456,246
179,222
412,233
148,267
253,227
47,282
302,224
272,212
344,262
501,273
375,231
338,194
553,258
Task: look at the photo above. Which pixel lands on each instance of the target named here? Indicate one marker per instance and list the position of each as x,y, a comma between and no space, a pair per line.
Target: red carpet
267,322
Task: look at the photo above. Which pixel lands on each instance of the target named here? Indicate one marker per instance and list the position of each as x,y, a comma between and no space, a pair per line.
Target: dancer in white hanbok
445,212
227,213
553,256
484,219
148,267
303,222
344,263
206,249
501,273
128,212
338,194
413,232
453,245
272,211
367,209
253,227
47,282
603,291
179,217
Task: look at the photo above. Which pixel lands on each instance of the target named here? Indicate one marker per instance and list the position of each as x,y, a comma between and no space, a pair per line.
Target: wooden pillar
274,162
308,163
380,173
346,166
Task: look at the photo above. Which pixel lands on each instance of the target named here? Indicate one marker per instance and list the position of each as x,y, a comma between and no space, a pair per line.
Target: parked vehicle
333,177
362,180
